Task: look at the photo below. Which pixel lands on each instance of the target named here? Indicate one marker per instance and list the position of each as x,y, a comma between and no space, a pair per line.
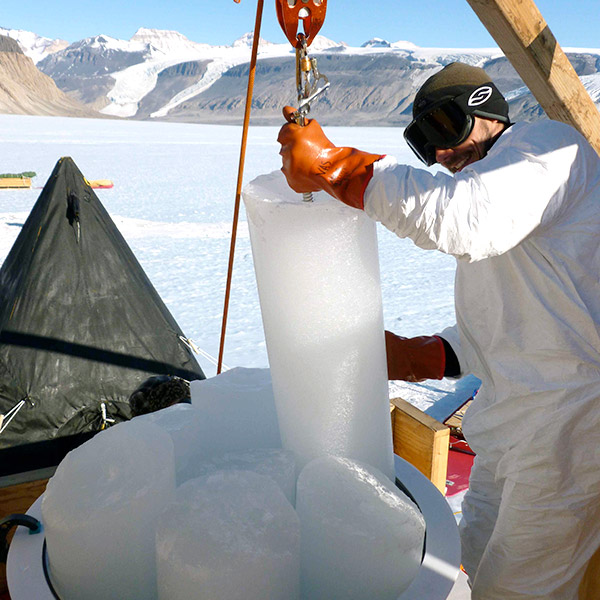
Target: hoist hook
310,12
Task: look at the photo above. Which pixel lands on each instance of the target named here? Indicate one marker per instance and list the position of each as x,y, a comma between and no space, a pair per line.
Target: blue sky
436,23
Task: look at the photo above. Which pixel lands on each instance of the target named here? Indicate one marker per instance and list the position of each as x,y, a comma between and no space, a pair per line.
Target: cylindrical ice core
100,510
317,271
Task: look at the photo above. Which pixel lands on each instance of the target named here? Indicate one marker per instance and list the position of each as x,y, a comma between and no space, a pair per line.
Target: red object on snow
460,461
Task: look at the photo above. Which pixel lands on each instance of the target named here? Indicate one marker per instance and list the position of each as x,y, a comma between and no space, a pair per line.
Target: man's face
472,149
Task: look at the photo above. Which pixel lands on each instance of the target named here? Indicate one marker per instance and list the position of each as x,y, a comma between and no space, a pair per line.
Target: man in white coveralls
520,211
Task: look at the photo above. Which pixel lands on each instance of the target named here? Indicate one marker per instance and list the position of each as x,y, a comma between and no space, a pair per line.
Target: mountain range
160,74
26,90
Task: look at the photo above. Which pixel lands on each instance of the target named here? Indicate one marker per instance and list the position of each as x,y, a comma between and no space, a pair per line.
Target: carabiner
308,79
310,12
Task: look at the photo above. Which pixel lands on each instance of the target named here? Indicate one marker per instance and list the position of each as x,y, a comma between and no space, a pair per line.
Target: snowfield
173,199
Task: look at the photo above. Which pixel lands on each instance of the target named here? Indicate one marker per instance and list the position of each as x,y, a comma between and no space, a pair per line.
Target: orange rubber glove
312,163
415,359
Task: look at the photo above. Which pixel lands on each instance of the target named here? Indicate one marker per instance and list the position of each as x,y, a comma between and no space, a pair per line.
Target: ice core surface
99,512
238,410
317,270
361,536
233,535
187,427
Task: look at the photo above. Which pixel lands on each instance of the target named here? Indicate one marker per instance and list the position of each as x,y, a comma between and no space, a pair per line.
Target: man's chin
460,165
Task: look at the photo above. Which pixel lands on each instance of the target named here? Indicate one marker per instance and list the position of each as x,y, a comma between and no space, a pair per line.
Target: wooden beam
526,40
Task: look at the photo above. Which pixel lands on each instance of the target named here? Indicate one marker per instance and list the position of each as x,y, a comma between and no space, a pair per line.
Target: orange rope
238,192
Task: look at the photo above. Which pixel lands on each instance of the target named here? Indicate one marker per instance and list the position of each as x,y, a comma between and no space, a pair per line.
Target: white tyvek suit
524,225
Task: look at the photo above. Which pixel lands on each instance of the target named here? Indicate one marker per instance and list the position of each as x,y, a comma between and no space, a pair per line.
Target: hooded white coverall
524,226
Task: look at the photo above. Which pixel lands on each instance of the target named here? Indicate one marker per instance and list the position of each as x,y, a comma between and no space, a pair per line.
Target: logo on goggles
480,95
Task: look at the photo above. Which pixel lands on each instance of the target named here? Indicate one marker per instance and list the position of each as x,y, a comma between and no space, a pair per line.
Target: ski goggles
445,125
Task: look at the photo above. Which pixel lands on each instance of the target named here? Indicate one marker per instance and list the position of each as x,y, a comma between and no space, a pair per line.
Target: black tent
81,325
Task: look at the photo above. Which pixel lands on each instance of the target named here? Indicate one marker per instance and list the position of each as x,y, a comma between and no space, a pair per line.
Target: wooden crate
421,440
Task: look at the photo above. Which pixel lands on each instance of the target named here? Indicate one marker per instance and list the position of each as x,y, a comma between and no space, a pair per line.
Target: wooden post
522,34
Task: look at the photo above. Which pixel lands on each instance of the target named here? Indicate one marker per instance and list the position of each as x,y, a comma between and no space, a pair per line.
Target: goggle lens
444,126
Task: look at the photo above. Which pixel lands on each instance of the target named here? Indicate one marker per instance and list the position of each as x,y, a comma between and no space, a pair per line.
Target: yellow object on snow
15,182
100,183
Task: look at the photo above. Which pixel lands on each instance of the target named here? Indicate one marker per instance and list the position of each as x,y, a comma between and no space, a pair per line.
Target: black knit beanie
458,79
159,392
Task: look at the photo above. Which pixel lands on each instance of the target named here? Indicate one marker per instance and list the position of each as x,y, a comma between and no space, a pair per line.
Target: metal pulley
311,13
309,81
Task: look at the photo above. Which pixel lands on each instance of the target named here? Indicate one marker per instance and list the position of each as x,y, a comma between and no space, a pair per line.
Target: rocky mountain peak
148,34
26,90
7,44
33,45
376,43
166,40
321,43
247,39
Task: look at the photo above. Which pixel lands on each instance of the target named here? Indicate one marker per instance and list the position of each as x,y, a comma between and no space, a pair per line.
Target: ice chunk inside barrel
229,535
187,427
238,410
276,463
361,536
317,270
100,509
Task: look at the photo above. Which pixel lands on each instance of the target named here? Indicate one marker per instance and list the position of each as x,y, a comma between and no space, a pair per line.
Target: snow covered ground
173,199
